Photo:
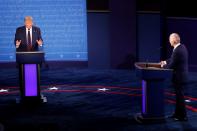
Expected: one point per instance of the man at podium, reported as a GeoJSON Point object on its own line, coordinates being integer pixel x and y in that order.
{"type": "Point", "coordinates": [28, 37]}
{"type": "Point", "coordinates": [28, 41]}
{"type": "Point", "coordinates": [179, 63]}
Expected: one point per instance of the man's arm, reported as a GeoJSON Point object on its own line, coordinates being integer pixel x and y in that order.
{"type": "Point", "coordinates": [39, 34]}
{"type": "Point", "coordinates": [40, 40]}
{"type": "Point", "coordinates": [171, 63]}
{"type": "Point", "coordinates": [17, 39]}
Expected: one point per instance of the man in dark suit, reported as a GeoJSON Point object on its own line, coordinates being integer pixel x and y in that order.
{"type": "Point", "coordinates": [28, 37]}
{"type": "Point", "coordinates": [179, 63]}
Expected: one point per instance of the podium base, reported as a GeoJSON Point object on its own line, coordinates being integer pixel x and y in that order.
{"type": "Point", "coordinates": [31, 100]}
{"type": "Point", "coordinates": [148, 120]}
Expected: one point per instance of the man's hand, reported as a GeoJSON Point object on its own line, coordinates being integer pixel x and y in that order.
{"type": "Point", "coordinates": [162, 63]}
{"type": "Point", "coordinates": [39, 42]}
{"type": "Point", "coordinates": [18, 42]}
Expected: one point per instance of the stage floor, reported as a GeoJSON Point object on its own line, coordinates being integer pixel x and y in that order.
{"type": "Point", "coordinates": [87, 100]}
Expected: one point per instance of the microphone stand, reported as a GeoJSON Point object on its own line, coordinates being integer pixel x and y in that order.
{"type": "Point", "coordinates": [146, 63]}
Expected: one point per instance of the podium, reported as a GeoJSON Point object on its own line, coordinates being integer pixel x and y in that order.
{"type": "Point", "coordinates": [153, 84]}
{"type": "Point", "coordinates": [29, 76]}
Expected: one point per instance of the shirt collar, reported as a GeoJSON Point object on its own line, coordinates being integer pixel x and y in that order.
{"type": "Point", "coordinates": [176, 45]}
{"type": "Point", "coordinates": [27, 29]}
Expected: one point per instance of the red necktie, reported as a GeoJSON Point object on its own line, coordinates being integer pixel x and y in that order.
{"type": "Point", "coordinates": [29, 45]}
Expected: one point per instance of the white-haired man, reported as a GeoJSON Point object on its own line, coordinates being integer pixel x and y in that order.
{"type": "Point", "coordinates": [179, 63]}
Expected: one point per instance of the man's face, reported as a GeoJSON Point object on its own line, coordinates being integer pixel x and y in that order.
{"type": "Point", "coordinates": [172, 40]}
{"type": "Point", "coordinates": [28, 23]}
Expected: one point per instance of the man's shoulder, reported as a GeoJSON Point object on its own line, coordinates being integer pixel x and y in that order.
{"type": "Point", "coordinates": [21, 28]}
{"type": "Point", "coordinates": [181, 47]}
{"type": "Point", "coordinates": [36, 27]}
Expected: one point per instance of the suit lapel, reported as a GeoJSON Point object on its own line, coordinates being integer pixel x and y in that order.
{"type": "Point", "coordinates": [24, 34]}
{"type": "Point", "coordinates": [33, 36]}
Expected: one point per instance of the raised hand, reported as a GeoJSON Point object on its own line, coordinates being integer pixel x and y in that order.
{"type": "Point", "coordinates": [39, 42]}
{"type": "Point", "coordinates": [18, 42]}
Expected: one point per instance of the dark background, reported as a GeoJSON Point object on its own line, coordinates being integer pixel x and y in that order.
{"type": "Point", "coordinates": [143, 26]}
{"type": "Point", "coordinates": [180, 8]}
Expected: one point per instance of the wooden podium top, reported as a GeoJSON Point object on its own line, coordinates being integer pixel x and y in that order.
{"type": "Point", "coordinates": [149, 66]}
{"type": "Point", "coordinates": [152, 71]}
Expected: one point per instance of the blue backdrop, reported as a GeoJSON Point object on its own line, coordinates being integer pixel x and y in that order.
{"type": "Point", "coordinates": [62, 22]}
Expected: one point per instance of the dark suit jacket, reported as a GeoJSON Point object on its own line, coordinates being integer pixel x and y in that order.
{"type": "Point", "coordinates": [179, 63]}
{"type": "Point", "coordinates": [21, 35]}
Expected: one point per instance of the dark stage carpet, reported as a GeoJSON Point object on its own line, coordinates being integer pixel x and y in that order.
{"type": "Point", "coordinates": [87, 100]}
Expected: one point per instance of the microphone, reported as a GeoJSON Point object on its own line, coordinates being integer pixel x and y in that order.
{"type": "Point", "coordinates": [152, 52]}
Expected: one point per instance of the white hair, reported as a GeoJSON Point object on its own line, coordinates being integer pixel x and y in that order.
{"type": "Point", "coordinates": [176, 36]}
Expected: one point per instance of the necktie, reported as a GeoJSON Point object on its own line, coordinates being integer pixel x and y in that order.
{"type": "Point", "coordinates": [29, 45]}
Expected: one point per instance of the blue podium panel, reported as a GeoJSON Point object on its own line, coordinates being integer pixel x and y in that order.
{"type": "Point", "coordinates": [153, 99]}
{"type": "Point", "coordinates": [153, 84]}
{"type": "Point", "coordinates": [29, 76]}
{"type": "Point", "coordinates": [31, 80]}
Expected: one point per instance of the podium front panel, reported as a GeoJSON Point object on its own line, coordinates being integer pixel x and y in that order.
{"type": "Point", "coordinates": [153, 85]}
{"type": "Point", "coordinates": [31, 82]}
